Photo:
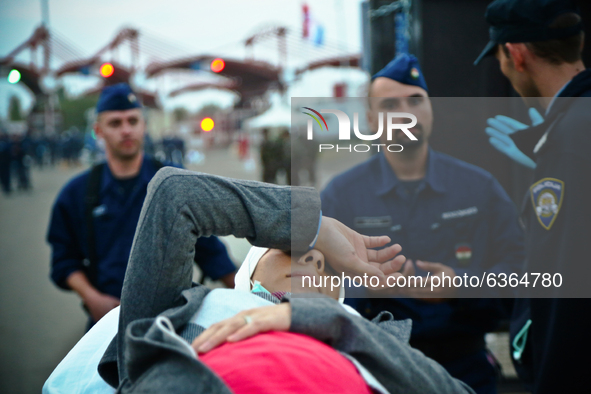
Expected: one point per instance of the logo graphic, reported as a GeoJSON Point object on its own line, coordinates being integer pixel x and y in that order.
{"type": "Point", "coordinates": [345, 124]}
{"type": "Point", "coordinates": [546, 196]}
{"type": "Point", "coordinates": [315, 118]}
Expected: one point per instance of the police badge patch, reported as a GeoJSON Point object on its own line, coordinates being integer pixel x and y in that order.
{"type": "Point", "coordinates": [546, 196]}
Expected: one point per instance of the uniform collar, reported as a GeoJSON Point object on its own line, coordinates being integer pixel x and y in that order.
{"type": "Point", "coordinates": [576, 87]}
{"type": "Point", "coordinates": [554, 98]}
{"type": "Point", "coordinates": [108, 179]}
{"type": "Point", "coordinates": [527, 139]}
{"type": "Point", "coordinates": [390, 181]}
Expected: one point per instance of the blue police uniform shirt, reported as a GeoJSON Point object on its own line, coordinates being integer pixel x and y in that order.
{"type": "Point", "coordinates": [115, 220]}
{"type": "Point", "coordinates": [459, 216]}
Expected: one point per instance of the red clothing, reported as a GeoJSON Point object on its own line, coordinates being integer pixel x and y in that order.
{"type": "Point", "coordinates": [283, 362]}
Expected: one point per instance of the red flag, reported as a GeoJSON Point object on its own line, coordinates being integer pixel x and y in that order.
{"type": "Point", "coordinates": [306, 25]}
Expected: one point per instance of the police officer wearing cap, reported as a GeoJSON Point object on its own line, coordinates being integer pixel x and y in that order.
{"type": "Point", "coordinates": [91, 243]}
{"type": "Point", "coordinates": [538, 45]}
{"type": "Point", "coordinates": [449, 217]}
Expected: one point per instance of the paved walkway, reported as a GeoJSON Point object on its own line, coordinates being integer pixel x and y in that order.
{"type": "Point", "coordinates": [38, 323]}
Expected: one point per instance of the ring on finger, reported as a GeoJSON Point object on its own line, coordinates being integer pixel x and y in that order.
{"type": "Point", "coordinates": [247, 319]}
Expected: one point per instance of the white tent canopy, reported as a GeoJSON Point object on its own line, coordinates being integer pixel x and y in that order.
{"type": "Point", "coordinates": [279, 115]}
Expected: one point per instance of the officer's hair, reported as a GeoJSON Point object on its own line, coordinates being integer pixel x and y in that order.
{"type": "Point", "coordinates": [144, 116]}
{"type": "Point", "coordinates": [561, 50]}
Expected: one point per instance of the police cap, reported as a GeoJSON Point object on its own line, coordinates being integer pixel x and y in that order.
{"type": "Point", "coordinates": [526, 21]}
{"type": "Point", "coordinates": [117, 97]}
{"type": "Point", "coordinates": [404, 69]}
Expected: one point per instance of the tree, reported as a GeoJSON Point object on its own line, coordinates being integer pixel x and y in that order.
{"type": "Point", "coordinates": [180, 114]}
{"type": "Point", "coordinates": [209, 109]}
{"type": "Point", "coordinates": [74, 110]}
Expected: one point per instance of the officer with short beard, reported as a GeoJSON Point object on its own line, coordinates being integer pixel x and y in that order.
{"type": "Point", "coordinates": [450, 218]}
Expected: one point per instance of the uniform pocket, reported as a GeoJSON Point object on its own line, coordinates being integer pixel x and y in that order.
{"type": "Point", "coordinates": [457, 237]}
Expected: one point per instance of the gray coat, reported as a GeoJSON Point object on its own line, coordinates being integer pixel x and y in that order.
{"type": "Point", "coordinates": [182, 206]}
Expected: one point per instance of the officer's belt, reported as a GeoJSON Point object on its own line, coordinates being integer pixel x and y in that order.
{"type": "Point", "coordinates": [444, 350]}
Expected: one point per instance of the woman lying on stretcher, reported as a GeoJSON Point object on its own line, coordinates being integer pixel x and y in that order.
{"type": "Point", "coordinates": [178, 337]}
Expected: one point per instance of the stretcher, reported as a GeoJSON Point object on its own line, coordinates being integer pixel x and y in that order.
{"type": "Point", "coordinates": [77, 372]}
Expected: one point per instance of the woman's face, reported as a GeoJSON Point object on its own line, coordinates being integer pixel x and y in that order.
{"type": "Point", "coordinates": [279, 271]}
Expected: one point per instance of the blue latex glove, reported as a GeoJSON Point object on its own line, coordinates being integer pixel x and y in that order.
{"type": "Point", "coordinates": [501, 127]}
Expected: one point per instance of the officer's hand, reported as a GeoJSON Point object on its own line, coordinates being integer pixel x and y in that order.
{"type": "Point", "coordinates": [501, 127]}
{"type": "Point", "coordinates": [244, 325]}
{"type": "Point", "coordinates": [100, 304]}
{"type": "Point", "coordinates": [429, 290]}
{"type": "Point", "coordinates": [353, 253]}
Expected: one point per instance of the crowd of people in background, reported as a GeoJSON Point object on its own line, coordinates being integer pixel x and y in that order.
{"type": "Point", "coordinates": [291, 155]}
{"type": "Point", "coordinates": [20, 152]}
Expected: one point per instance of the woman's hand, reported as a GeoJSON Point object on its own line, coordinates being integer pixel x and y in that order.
{"type": "Point", "coordinates": [353, 253]}
{"type": "Point", "coordinates": [244, 325]}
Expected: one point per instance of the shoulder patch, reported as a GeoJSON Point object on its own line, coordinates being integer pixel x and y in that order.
{"type": "Point", "coordinates": [546, 196]}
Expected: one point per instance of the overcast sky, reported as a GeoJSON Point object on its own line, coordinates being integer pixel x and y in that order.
{"type": "Point", "coordinates": [191, 26]}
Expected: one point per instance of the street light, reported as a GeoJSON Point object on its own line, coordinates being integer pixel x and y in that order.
{"type": "Point", "coordinates": [207, 124]}
{"type": "Point", "coordinates": [217, 65]}
{"type": "Point", "coordinates": [14, 76]}
{"type": "Point", "coordinates": [107, 70]}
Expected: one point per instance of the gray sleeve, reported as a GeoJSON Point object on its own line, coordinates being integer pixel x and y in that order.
{"type": "Point", "coordinates": [397, 366]}
{"type": "Point", "coordinates": [180, 207]}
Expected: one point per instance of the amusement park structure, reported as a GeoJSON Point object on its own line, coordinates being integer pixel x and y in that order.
{"type": "Point", "coordinates": [130, 52]}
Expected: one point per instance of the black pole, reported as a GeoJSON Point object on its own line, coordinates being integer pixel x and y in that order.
{"type": "Point", "coordinates": [382, 33]}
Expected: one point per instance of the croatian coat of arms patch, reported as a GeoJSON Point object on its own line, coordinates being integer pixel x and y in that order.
{"type": "Point", "coordinates": [546, 196]}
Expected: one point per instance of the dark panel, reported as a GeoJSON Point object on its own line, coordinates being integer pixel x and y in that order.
{"type": "Point", "coordinates": [382, 33]}
{"type": "Point", "coordinates": [454, 34]}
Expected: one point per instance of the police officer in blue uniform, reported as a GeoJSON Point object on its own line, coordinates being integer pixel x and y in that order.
{"type": "Point", "coordinates": [538, 45]}
{"type": "Point", "coordinates": [91, 244]}
{"type": "Point", "coordinates": [5, 161]}
{"type": "Point", "coordinates": [449, 217]}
